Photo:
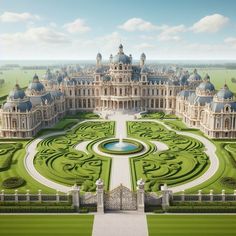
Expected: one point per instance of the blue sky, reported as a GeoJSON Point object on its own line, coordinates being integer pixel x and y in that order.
{"type": "Point", "coordinates": [76, 29]}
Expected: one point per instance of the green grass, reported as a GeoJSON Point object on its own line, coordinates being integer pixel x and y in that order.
{"type": "Point", "coordinates": [17, 169]}
{"type": "Point", "coordinates": [12, 225]}
{"type": "Point", "coordinates": [191, 225]}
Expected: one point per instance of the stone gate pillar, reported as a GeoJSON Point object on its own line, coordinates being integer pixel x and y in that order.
{"type": "Point", "coordinates": [75, 190]}
{"type": "Point", "coordinates": [166, 196]}
{"type": "Point", "coordinates": [100, 196]}
{"type": "Point", "coordinates": [140, 195]}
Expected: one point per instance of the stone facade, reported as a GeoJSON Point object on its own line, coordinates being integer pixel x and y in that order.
{"type": "Point", "coordinates": [119, 85]}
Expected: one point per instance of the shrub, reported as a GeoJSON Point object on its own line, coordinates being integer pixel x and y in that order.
{"type": "Point", "coordinates": [13, 182]}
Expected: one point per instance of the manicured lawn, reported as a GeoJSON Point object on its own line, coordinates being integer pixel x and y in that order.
{"type": "Point", "coordinates": [191, 225]}
{"type": "Point", "coordinates": [12, 225]}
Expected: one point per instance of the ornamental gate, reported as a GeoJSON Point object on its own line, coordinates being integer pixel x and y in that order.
{"type": "Point", "coordinates": [120, 198]}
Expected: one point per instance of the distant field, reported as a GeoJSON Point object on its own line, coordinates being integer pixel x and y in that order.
{"type": "Point", "coordinates": [23, 77]}
{"type": "Point", "coordinates": [46, 225]}
{"type": "Point", "coordinates": [218, 77]}
{"type": "Point", "coordinates": [191, 225]}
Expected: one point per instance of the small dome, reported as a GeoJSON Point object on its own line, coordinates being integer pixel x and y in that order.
{"type": "Point", "coordinates": [183, 79]}
{"type": "Point", "coordinates": [143, 56]}
{"type": "Point", "coordinates": [17, 93]}
{"type": "Point", "coordinates": [59, 78]}
{"type": "Point", "coordinates": [22, 106]}
{"type": "Point", "coordinates": [206, 85]}
{"type": "Point", "coordinates": [225, 93]}
{"type": "Point", "coordinates": [48, 75]}
{"type": "Point", "coordinates": [195, 76]}
{"type": "Point", "coordinates": [99, 56]}
{"type": "Point", "coordinates": [36, 85]}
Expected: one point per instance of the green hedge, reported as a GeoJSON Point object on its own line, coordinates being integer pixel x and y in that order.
{"type": "Point", "coordinates": [36, 209]}
{"type": "Point", "coordinates": [201, 209]}
{"type": "Point", "coordinates": [196, 204]}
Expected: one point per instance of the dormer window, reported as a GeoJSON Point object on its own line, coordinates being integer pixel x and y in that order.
{"type": "Point", "coordinates": [227, 108]}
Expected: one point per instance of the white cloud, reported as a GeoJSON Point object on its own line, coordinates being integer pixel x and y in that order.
{"type": "Point", "coordinates": [138, 24]}
{"type": "Point", "coordinates": [17, 17]}
{"type": "Point", "coordinates": [231, 41]}
{"type": "Point", "coordinates": [77, 25]}
{"type": "Point", "coordinates": [35, 35]}
{"type": "Point", "coordinates": [171, 33]}
{"type": "Point", "coordinates": [211, 23]}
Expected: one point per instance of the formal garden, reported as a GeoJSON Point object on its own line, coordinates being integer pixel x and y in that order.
{"type": "Point", "coordinates": [182, 162]}
{"type": "Point", "coordinates": [58, 160]}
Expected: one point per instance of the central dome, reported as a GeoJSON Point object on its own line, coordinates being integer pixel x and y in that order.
{"type": "Point", "coordinates": [120, 57]}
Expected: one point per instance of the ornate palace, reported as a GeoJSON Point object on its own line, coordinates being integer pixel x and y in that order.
{"type": "Point", "coordinates": [119, 85]}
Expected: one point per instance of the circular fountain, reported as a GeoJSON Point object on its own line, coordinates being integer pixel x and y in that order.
{"type": "Point", "coordinates": [120, 146]}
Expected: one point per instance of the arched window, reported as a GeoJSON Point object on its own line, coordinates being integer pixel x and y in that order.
{"type": "Point", "coordinates": [227, 123]}
{"type": "Point", "coordinates": [135, 92]}
{"type": "Point", "coordinates": [120, 91]}
{"type": "Point", "coordinates": [120, 67]}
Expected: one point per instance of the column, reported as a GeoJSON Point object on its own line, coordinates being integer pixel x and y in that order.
{"type": "Point", "coordinates": [57, 197]}
{"type": "Point", "coordinates": [2, 195]}
{"type": "Point", "coordinates": [140, 196]}
{"type": "Point", "coordinates": [75, 190]}
{"type": "Point", "coordinates": [100, 196]}
{"type": "Point", "coordinates": [211, 195]}
{"type": "Point", "coordinates": [223, 195]}
{"type": "Point", "coordinates": [27, 195]}
{"type": "Point", "coordinates": [183, 196]}
{"type": "Point", "coordinates": [199, 195]}
{"type": "Point", "coordinates": [40, 195]}
{"type": "Point", "coordinates": [166, 196]}
{"type": "Point", "coordinates": [16, 195]}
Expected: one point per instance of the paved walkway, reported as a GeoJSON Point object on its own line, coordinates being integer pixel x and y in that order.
{"type": "Point", "coordinates": [120, 224]}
